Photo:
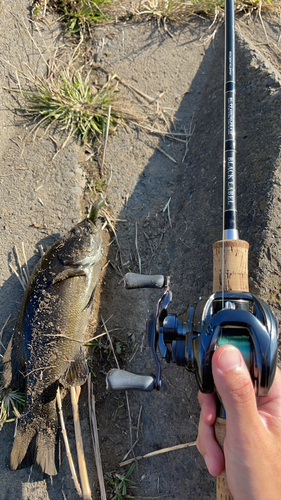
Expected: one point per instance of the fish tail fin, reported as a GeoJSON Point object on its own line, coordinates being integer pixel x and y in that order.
{"type": "Point", "coordinates": [36, 442]}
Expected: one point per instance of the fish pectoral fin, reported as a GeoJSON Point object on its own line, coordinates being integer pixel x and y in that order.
{"type": "Point", "coordinates": [91, 299]}
{"type": "Point", "coordinates": [77, 372]}
{"type": "Point", "coordinates": [71, 272]}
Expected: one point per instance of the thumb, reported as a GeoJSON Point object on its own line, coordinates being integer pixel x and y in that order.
{"type": "Point", "coordinates": [235, 387]}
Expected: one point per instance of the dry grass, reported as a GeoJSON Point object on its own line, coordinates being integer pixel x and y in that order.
{"type": "Point", "coordinates": [177, 10]}
{"type": "Point", "coordinates": [80, 16]}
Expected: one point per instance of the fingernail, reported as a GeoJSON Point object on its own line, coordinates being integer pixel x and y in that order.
{"type": "Point", "coordinates": [229, 358]}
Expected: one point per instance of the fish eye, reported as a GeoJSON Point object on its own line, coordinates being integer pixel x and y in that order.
{"type": "Point", "coordinates": [76, 231]}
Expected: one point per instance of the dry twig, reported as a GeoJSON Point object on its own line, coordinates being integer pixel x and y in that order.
{"type": "Point", "coordinates": [108, 218]}
{"type": "Point", "coordinates": [126, 84]}
{"type": "Point", "coordinates": [137, 436]}
{"type": "Point", "coordinates": [117, 270]}
{"type": "Point", "coordinates": [132, 357]}
{"type": "Point", "coordinates": [110, 342]}
{"type": "Point", "coordinates": [17, 275]}
{"type": "Point", "coordinates": [126, 392]}
{"type": "Point", "coordinates": [188, 136]}
{"type": "Point", "coordinates": [167, 207]}
{"type": "Point", "coordinates": [23, 273]}
{"type": "Point", "coordinates": [158, 452]}
{"type": "Point", "coordinates": [2, 330]}
{"type": "Point", "coordinates": [166, 154]}
{"type": "Point", "coordinates": [68, 452]}
{"type": "Point", "coordinates": [137, 249]}
{"type": "Point", "coordinates": [106, 139]}
{"type": "Point", "coordinates": [86, 491]}
{"type": "Point", "coordinates": [95, 437]}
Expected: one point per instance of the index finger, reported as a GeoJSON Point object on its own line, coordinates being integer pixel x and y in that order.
{"type": "Point", "coordinates": [208, 405]}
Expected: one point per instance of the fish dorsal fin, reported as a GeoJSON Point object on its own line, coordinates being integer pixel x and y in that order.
{"type": "Point", "coordinates": [77, 372]}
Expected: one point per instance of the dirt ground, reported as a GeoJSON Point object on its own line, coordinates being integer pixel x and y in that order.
{"type": "Point", "coordinates": [183, 72]}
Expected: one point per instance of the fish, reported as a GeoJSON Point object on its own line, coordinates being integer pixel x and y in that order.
{"type": "Point", "coordinates": [46, 348]}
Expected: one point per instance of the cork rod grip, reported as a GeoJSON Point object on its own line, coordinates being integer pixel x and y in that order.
{"type": "Point", "coordinates": [223, 492]}
{"type": "Point", "coordinates": [235, 272]}
{"type": "Point", "coordinates": [235, 266]}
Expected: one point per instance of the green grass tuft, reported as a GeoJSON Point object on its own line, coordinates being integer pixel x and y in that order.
{"type": "Point", "coordinates": [119, 483]}
{"type": "Point", "coordinates": [10, 401]}
{"type": "Point", "coordinates": [75, 104]}
{"type": "Point", "coordinates": [80, 14]}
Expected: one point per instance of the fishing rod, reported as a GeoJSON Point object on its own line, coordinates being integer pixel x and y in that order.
{"type": "Point", "coordinates": [231, 314]}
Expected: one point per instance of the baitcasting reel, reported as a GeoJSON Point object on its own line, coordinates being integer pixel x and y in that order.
{"type": "Point", "coordinates": [190, 339]}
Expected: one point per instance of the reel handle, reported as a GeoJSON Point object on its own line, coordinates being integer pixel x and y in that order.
{"type": "Point", "coordinates": [133, 280]}
{"type": "Point", "coordinates": [235, 278]}
{"type": "Point", "coordinates": [121, 380]}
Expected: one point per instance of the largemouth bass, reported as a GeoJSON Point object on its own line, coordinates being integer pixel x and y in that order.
{"type": "Point", "coordinates": [46, 348]}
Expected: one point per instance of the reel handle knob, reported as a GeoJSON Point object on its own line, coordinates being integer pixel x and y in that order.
{"type": "Point", "coordinates": [121, 380]}
{"type": "Point", "coordinates": [133, 280]}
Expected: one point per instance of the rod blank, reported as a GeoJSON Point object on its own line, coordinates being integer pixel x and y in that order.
{"type": "Point", "coordinates": [230, 209]}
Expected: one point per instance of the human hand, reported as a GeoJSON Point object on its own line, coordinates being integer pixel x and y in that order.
{"type": "Point", "coordinates": [252, 446]}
